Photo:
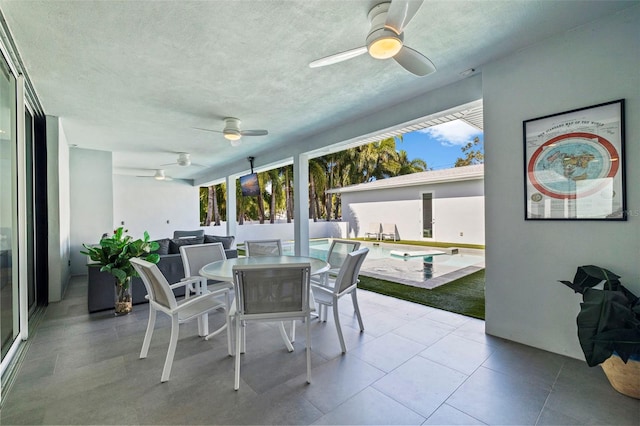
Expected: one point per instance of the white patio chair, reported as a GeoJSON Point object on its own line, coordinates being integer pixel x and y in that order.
{"type": "Point", "coordinates": [373, 230]}
{"type": "Point", "coordinates": [255, 248]}
{"type": "Point", "coordinates": [263, 248]}
{"type": "Point", "coordinates": [272, 292]}
{"type": "Point", "coordinates": [335, 257]}
{"type": "Point", "coordinates": [194, 257]}
{"type": "Point", "coordinates": [345, 283]}
{"type": "Point", "coordinates": [161, 298]}
{"type": "Point", "coordinates": [388, 231]}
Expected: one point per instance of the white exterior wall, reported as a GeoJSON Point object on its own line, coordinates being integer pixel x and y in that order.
{"type": "Point", "coordinates": [158, 207]}
{"type": "Point", "coordinates": [458, 207]}
{"type": "Point", "coordinates": [283, 231]}
{"type": "Point", "coordinates": [91, 201]}
{"type": "Point", "coordinates": [597, 63]}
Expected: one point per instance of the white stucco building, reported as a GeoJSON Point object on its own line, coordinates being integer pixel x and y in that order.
{"type": "Point", "coordinates": [441, 205]}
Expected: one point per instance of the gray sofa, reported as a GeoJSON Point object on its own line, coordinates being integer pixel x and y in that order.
{"type": "Point", "coordinates": [100, 293]}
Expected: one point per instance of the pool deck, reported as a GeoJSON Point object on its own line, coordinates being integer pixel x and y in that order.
{"type": "Point", "coordinates": [416, 273]}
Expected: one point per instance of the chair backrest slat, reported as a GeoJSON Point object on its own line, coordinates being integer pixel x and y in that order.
{"type": "Point", "coordinates": [339, 250]}
{"type": "Point", "coordinates": [255, 248]}
{"type": "Point", "coordinates": [350, 269]}
{"type": "Point", "coordinates": [272, 289]}
{"type": "Point", "coordinates": [157, 286]}
{"type": "Point", "coordinates": [194, 257]}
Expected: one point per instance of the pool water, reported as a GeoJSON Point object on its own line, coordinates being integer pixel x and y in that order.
{"type": "Point", "coordinates": [418, 270]}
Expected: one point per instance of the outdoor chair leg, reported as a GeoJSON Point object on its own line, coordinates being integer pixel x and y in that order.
{"type": "Point", "coordinates": [149, 333]}
{"type": "Point", "coordinates": [236, 383]}
{"type": "Point", "coordinates": [336, 317]}
{"type": "Point", "coordinates": [285, 338]}
{"type": "Point", "coordinates": [308, 342]}
{"type": "Point", "coordinates": [354, 299]}
{"type": "Point", "coordinates": [173, 342]}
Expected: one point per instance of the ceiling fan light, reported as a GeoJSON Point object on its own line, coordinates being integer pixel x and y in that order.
{"type": "Point", "coordinates": [385, 47]}
{"type": "Point", "coordinates": [232, 135]}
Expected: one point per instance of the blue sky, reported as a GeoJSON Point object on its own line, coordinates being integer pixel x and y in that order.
{"type": "Point", "coordinates": [439, 145]}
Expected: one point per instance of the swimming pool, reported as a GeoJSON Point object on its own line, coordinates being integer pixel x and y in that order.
{"type": "Point", "coordinates": [415, 270]}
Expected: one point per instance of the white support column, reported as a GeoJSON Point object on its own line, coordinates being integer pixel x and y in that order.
{"type": "Point", "coordinates": [301, 204]}
{"type": "Point", "coordinates": [232, 223]}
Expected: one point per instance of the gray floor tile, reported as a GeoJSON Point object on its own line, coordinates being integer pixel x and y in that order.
{"type": "Point", "coordinates": [526, 363]}
{"type": "Point", "coordinates": [370, 407]}
{"type": "Point", "coordinates": [447, 415]}
{"type": "Point", "coordinates": [388, 352]}
{"type": "Point", "coordinates": [458, 353]}
{"type": "Point", "coordinates": [338, 380]}
{"type": "Point", "coordinates": [420, 384]}
{"type": "Point", "coordinates": [496, 398]}
{"type": "Point", "coordinates": [84, 368]}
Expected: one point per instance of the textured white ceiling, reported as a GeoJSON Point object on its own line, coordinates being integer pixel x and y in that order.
{"type": "Point", "coordinates": [135, 77]}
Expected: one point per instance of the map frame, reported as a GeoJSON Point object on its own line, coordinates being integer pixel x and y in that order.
{"type": "Point", "coordinates": [574, 164]}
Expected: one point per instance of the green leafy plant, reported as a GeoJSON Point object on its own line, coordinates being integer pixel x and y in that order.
{"type": "Point", "coordinates": [114, 252]}
{"type": "Point", "coordinates": [609, 318]}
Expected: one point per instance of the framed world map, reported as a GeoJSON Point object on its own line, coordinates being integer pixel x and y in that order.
{"type": "Point", "coordinates": [574, 164]}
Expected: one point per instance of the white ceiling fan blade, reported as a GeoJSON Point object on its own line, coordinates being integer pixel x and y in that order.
{"type": "Point", "coordinates": [254, 132]}
{"type": "Point", "coordinates": [338, 57]}
{"type": "Point", "coordinates": [207, 130]}
{"type": "Point", "coordinates": [400, 13]}
{"type": "Point", "coordinates": [414, 62]}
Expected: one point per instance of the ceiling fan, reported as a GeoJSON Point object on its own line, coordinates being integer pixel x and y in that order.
{"type": "Point", "coordinates": [159, 175]}
{"type": "Point", "coordinates": [184, 160]}
{"type": "Point", "coordinates": [232, 131]}
{"type": "Point", "coordinates": [386, 39]}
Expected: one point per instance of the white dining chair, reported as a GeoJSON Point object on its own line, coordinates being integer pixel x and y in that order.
{"type": "Point", "coordinates": [345, 283]}
{"type": "Point", "coordinates": [194, 257]}
{"type": "Point", "coordinates": [263, 248]}
{"type": "Point", "coordinates": [335, 257]}
{"type": "Point", "coordinates": [161, 298]}
{"type": "Point", "coordinates": [254, 248]}
{"type": "Point", "coordinates": [271, 292]}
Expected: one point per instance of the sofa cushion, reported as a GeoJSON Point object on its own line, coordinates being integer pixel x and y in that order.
{"type": "Point", "coordinates": [164, 246]}
{"type": "Point", "coordinates": [188, 234]}
{"type": "Point", "coordinates": [176, 243]}
{"type": "Point", "coordinates": [226, 241]}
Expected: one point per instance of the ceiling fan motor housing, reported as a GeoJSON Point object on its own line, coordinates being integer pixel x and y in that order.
{"type": "Point", "coordinates": [382, 42]}
{"type": "Point", "coordinates": [184, 159]}
{"type": "Point", "coordinates": [232, 128]}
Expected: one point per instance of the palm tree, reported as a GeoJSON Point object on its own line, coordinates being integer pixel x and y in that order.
{"type": "Point", "coordinates": [317, 178]}
{"type": "Point", "coordinates": [410, 166]}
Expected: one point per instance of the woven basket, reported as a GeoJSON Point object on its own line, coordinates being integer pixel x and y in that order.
{"type": "Point", "coordinates": [625, 378]}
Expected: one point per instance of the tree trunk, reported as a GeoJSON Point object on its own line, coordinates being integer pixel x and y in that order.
{"type": "Point", "coordinates": [312, 199]}
{"type": "Point", "coordinates": [272, 205]}
{"type": "Point", "coordinates": [216, 210]}
{"type": "Point", "coordinates": [287, 187]}
{"type": "Point", "coordinates": [260, 207]}
{"type": "Point", "coordinates": [211, 196]}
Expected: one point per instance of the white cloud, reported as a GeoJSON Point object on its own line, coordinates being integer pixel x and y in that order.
{"type": "Point", "coordinates": [452, 133]}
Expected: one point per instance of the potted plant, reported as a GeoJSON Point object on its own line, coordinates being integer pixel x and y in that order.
{"type": "Point", "coordinates": [113, 254]}
{"type": "Point", "coordinates": [609, 326]}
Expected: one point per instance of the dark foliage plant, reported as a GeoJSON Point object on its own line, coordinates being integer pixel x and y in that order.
{"type": "Point", "coordinates": [113, 253]}
{"type": "Point", "coordinates": [609, 317]}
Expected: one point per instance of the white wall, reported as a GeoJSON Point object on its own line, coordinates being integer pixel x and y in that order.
{"type": "Point", "coordinates": [91, 201]}
{"type": "Point", "coordinates": [58, 205]}
{"type": "Point", "coordinates": [458, 207]}
{"type": "Point", "coordinates": [159, 207]}
{"type": "Point", "coordinates": [283, 231]}
{"type": "Point", "coordinates": [597, 63]}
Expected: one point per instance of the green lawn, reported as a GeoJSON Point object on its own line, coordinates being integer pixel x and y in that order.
{"type": "Point", "coordinates": [463, 296]}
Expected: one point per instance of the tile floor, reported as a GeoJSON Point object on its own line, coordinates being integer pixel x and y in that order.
{"type": "Point", "coordinates": [412, 365]}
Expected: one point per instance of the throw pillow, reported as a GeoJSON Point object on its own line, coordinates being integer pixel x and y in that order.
{"type": "Point", "coordinates": [187, 234]}
{"type": "Point", "coordinates": [164, 246]}
{"type": "Point", "coordinates": [226, 241]}
{"type": "Point", "coordinates": [176, 243]}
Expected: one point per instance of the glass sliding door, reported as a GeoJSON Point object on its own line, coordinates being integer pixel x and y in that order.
{"type": "Point", "coordinates": [30, 208]}
{"type": "Point", "coordinates": [9, 300]}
